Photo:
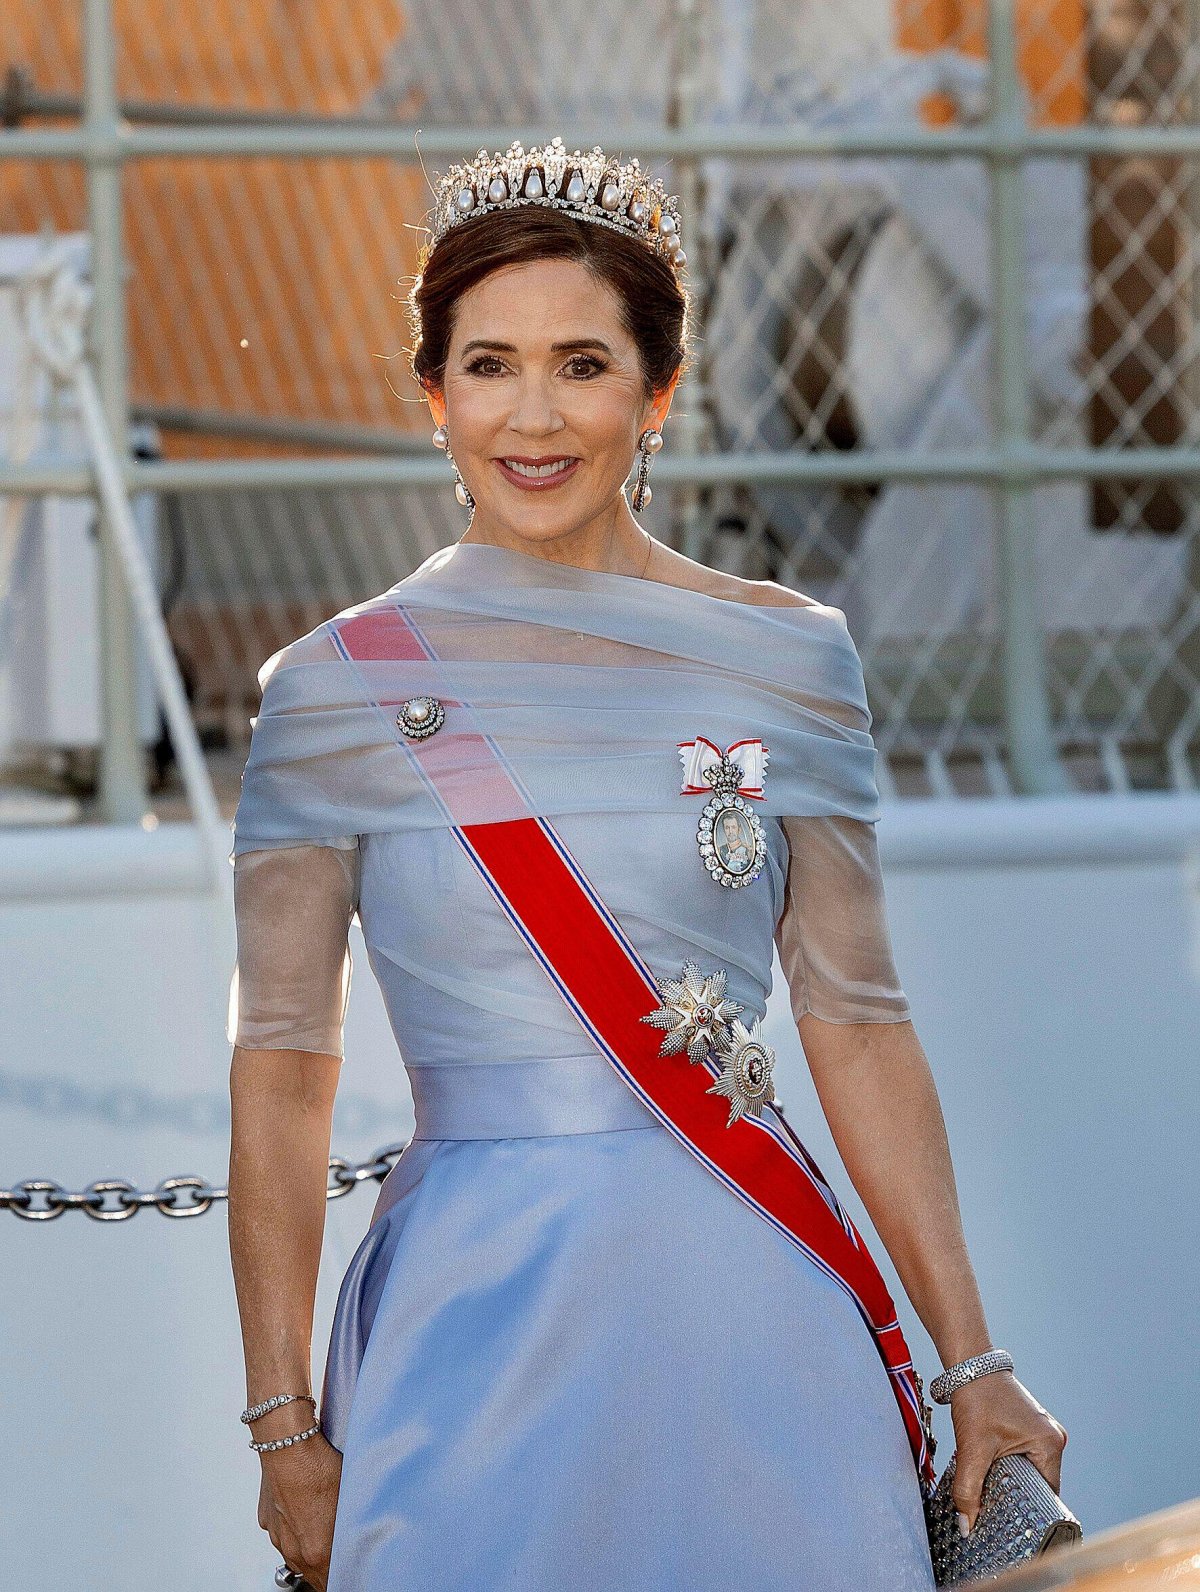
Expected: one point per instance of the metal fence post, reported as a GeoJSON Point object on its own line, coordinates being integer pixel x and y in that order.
{"type": "Point", "coordinates": [1009, 461]}
{"type": "Point", "coordinates": [690, 397]}
{"type": "Point", "coordinates": [1036, 769]}
{"type": "Point", "coordinates": [122, 777]}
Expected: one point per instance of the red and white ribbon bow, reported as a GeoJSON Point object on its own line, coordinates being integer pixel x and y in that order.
{"type": "Point", "coordinates": [750, 756]}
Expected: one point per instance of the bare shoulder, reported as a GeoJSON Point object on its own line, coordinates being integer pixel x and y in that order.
{"type": "Point", "coordinates": [676, 569]}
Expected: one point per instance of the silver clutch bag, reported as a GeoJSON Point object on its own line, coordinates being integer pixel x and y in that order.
{"type": "Point", "coordinates": [1020, 1515]}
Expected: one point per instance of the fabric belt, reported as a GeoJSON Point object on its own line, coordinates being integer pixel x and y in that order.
{"type": "Point", "coordinates": [524, 1099]}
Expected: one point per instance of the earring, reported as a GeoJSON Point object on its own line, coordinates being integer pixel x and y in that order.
{"type": "Point", "coordinates": [649, 443]}
{"type": "Point", "coordinates": [441, 439]}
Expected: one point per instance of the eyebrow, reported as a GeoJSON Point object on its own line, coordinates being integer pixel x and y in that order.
{"type": "Point", "coordinates": [555, 348]}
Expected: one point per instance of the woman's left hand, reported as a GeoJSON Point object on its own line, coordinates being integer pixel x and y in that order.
{"type": "Point", "coordinates": [995, 1415]}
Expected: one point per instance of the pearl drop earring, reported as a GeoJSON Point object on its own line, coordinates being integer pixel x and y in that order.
{"type": "Point", "coordinates": [441, 439]}
{"type": "Point", "coordinates": [649, 443]}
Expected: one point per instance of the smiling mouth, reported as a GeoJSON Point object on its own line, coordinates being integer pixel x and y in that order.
{"type": "Point", "coordinates": [540, 467]}
{"type": "Point", "coordinates": [539, 475]}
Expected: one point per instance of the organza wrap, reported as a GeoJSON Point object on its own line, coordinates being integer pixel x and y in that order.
{"type": "Point", "coordinates": [584, 684]}
{"type": "Point", "coordinates": [583, 679]}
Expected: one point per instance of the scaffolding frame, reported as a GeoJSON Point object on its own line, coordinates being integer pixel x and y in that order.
{"type": "Point", "coordinates": [1011, 464]}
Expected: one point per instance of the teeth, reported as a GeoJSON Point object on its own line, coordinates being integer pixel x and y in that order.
{"type": "Point", "coordinates": [539, 469]}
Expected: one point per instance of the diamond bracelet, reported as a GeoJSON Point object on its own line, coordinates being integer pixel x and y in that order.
{"type": "Point", "coordinates": [256, 1411]}
{"type": "Point", "coordinates": [286, 1442]}
{"type": "Point", "coordinates": [956, 1376]}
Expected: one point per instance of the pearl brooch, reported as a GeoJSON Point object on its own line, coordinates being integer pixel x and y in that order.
{"type": "Point", "coordinates": [420, 716]}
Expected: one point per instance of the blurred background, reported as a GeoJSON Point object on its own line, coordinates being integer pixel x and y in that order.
{"type": "Point", "coordinates": [947, 279]}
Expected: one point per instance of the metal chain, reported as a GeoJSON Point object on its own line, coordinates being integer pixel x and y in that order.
{"type": "Point", "coordinates": [115, 1199]}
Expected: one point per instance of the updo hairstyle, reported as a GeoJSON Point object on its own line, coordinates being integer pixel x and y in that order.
{"type": "Point", "coordinates": [654, 303]}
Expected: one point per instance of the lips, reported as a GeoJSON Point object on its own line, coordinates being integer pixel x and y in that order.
{"type": "Point", "coordinates": [537, 483]}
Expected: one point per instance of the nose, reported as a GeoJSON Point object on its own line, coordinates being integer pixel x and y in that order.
{"type": "Point", "coordinates": [534, 412]}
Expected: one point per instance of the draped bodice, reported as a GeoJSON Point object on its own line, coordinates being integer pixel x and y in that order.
{"type": "Point", "coordinates": [585, 682]}
{"type": "Point", "coordinates": [461, 985]}
{"type": "Point", "coordinates": [568, 696]}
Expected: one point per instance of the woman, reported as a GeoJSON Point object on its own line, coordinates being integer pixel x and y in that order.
{"type": "Point", "coordinates": [609, 1327]}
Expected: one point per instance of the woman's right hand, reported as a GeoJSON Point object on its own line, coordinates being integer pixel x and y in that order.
{"type": "Point", "coordinates": [297, 1503]}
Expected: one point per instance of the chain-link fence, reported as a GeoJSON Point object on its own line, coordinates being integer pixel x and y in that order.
{"type": "Point", "coordinates": [945, 261]}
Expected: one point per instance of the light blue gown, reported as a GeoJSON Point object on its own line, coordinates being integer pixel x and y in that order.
{"type": "Point", "coordinates": [564, 1355]}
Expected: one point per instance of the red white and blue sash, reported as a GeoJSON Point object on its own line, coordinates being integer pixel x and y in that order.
{"type": "Point", "coordinates": [584, 952]}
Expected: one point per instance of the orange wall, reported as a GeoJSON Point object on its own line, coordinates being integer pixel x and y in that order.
{"type": "Point", "coordinates": [1050, 47]}
{"type": "Point", "coordinates": [302, 259]}
{"type": "Point", "coordinates": [305, 260]}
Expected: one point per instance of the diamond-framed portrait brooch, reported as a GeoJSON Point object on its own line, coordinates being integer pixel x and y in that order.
{"type": "Point", "coordinates": [732, 843]}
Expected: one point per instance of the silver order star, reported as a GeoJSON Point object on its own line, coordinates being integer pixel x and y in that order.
{"type": "Point", "coordinates": [695, 1011]}
{"type": "Point", "coordinates": [747, 1062]}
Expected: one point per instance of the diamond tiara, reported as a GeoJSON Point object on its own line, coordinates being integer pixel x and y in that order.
{"type": "Point", "coordinates": [592, 187]}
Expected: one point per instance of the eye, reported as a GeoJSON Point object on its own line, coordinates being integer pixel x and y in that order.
{"type": "Point", "coordinates": [592, 365]}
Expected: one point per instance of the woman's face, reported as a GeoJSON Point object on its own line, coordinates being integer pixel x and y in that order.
{"type": "Point", "coordinates": [540, 370]}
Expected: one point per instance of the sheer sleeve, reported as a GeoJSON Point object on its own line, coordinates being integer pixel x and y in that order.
{"type": "Point", "coordinates": [833, 938]}
{"type": "Point", "coordinates": [293, 907]}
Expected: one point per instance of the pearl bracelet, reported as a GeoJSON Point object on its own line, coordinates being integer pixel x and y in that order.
{"type": "Point", "coordinates": [956, 1376]}
{"type": "Point", "coordinates": [256, 1411]}
{"type": "Point", "coordinates": [286, 1442]}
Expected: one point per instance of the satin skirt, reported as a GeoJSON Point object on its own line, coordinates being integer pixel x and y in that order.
{"type": "Point", "coordinates": [567, 1357]}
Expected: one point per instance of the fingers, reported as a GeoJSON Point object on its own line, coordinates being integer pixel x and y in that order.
{"type": "Point", "coordinates": [1049, 1459]}
{"type": "Point", "coordinates": [970, 1467]}
{"type": "Point", "coordinates": [303, 1558]}
{"type": "Point", "coordinates": [309, 1577]}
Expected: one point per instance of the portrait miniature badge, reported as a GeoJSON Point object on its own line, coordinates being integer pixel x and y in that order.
{"type": "Point", "coordinates": [733, 846]}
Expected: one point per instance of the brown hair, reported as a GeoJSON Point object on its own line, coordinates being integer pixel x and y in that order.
{"type": "Point", "coordinates": [654, 303]}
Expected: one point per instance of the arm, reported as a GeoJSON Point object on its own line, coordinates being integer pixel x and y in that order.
{"type": "Point", "coordinates": [282, 1106]}
{"type": "Point", "coordinates": [282, 1110]}
{"type": "Point", "coordinates": [879, 1096]}
{"type": "Point", "coordinates": [293, 910]}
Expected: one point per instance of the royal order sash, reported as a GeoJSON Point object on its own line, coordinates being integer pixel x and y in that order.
{"type": "Point", "coordinates": [584, 952]}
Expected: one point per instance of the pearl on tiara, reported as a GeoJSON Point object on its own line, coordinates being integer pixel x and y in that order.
{"type": "Point", "coordinates": [592, 187]}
